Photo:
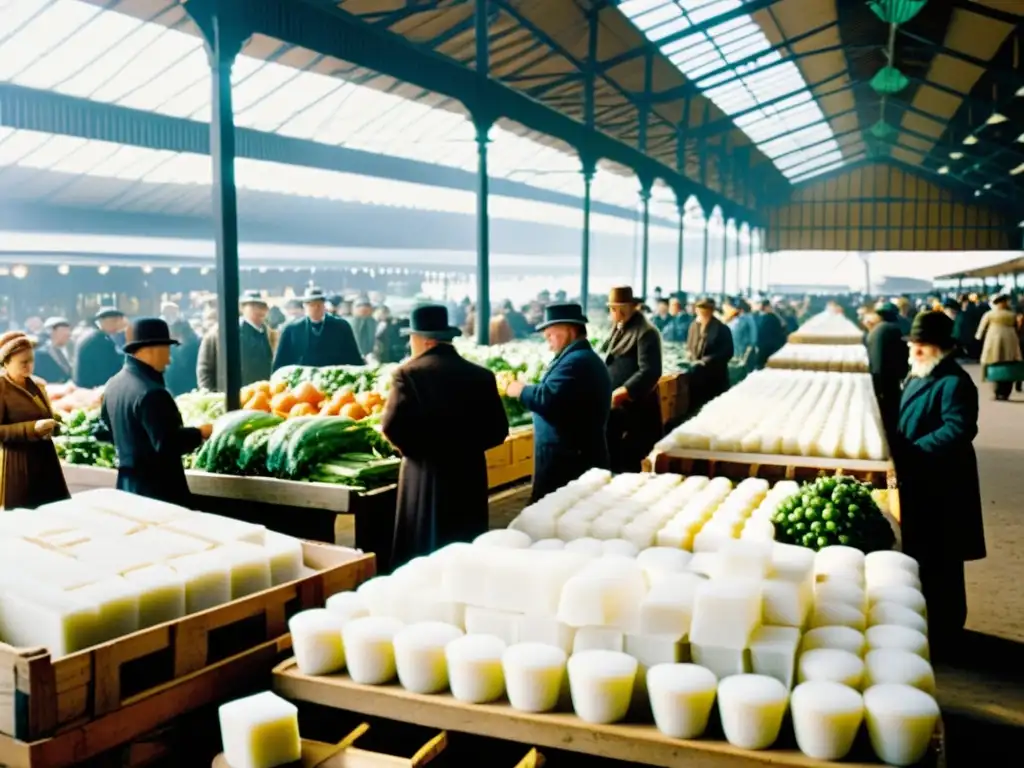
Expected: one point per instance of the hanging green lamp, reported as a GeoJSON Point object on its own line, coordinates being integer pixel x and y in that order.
{"type": "Point", "coordinates": [889, 80]}
{"type": "Point", "coordinates": [882, 130]}
{"type": "Point", "coordinates": [896, 11]}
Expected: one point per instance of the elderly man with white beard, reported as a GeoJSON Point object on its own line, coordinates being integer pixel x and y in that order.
{"type": "Point", "coordinates": [940, 496]}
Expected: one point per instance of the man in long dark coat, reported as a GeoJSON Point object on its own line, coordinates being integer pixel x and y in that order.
{"type": "Point", "coordinates": [940, 494]}
{"type": "Point", "coordinates": [633, 356]}
{"type": "Point", "coordinates": [143, 419]}
{"type": "Point", "coordinates": [771, 332]}
{"type": "Point", "coordinates": [98, 357]}
{"type": "Point", "coordinates": [318, 339]}
{"type": "Point", "coordinates": [570, 405]}
{"type": "Point", "coordinates": [887, 361]}
{"type": "Point", "coordinates": [709, 345]}
{"type": "Point", "coordinates": [255, 346]}
{"type": "Point", "coordinates": [53, 364]}
{"type": "Point", "coordinates": [443, 413]}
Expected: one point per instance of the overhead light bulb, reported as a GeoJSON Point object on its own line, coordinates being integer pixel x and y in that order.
{"type": "Point", "coordinates": [977, 193]}
{"type": "Point", "coordinates": [147, 270]}
{"type": "Point", "coordinates": [262, 270]}
{"type": "Point", "coordinates": [956, 155]}
{"type": "Point", "coordinates": [103, 269]}
{"type": "Point", "coordinates": [63, 269]}
{"type": "Point", "coordinates": [204, 271]}
{"type": "Point", "coordinates": [4, 271]}
{"type": "Point", "coordinates": [988, 185]}
{"type": "Point", "coordinates": [175, 270]}
{"type": "Point", "coordinates": [970, 140]}
{"type": "Point", "coordinates": [944, 170]}
{"type": "Point", "coordinates": [1018, 170]}
{"type": "Point", "coordinates": [19, 271]}
{"type": "Point", "coordinates": [1020, 91]}
{"type": "Point", "coordinates": [996, 118]}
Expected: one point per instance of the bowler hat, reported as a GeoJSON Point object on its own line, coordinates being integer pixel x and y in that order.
{"type": "Point", "coordinates": [252, 297]}
{"type": "Point", "coordinates": [705, 302]}
{"type": "Point", "coordinates": [313, 294]}
{"type": "Point", "coordinates": [106, 312]}
{"type": "Point", "coordinates": [934, 328]}
{"type": "Point", "coordinates": [565, 312]}
{"type": "Point", "coordinates": [431, 320]}
{"type": "Point", "coordinates": [623, 294]}
{"type": "Point", "coordinates": [335, 300]}
{"type": "Point", "coordinates": [147, 332]}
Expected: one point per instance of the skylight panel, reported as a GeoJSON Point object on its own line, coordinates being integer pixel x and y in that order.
{"type": "Point", "coordinates": [42, 34]}
{"type": "Point", "coordinates": [766, 104]}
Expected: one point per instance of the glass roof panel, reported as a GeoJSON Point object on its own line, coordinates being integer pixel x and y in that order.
{"type": "Point", "coordinates": [757, 103]}
{"type": "Point", "coordinates": [81, 49]}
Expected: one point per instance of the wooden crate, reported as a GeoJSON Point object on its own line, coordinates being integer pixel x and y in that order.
{"type": "Point", "coordinates": [634, 743]}
{"type": "Point", "coordinates": [512, 461]}
{"type": "Point", "coordinates": [41, 696]}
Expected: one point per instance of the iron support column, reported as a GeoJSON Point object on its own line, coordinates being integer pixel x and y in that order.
{"type": "Point", "coordinates": [750, 263]}
{"type": "Point", "coordinates": [645, 252]}
{"type": "Point", "coordinates": [704, 267]}
{"type": "Point", "coordinates": [224, 37]}
{"type": "Point", "coordinates": [483, 224]}
{"type": "Point", "coordinates": [588, 178]}
{"type": "Point", "coordinates": [739, 262]}
{"type": "Point", "coordinates": [679, 253]}
{"type": "Point", "coordinates": [725, 258]}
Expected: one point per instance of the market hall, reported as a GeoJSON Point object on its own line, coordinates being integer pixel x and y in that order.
{"type": "Point", "coordinates": [535, 189]}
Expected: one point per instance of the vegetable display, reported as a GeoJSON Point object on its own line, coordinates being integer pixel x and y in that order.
{"type": "Point", "coordinates": [830, 511]}
{"type": "Point", "coordinates": [78, 443]}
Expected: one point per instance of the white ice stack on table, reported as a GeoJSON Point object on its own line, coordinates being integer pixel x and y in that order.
{"type": "Point", "coordinates": [827, 328]}
{"type": "Point", "coordinates": [836, 358]}
{"type": "Point", "coordinates": [106, 563]}
{"type": "Point", "coordinates": [260, 731]}
{"type": "Point", "coordinates": [796, 413]}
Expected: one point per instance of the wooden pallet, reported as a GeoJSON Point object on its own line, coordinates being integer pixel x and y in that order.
{"type": "Point", "coordinates": [634, 743]}
{"type": "Point", "coordinates": [41, 696]}
{"type": "Point", "coordinates": [674, 392]}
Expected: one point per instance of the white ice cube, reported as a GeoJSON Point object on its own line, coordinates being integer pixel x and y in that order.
{"type": "Point", "coordinates": [773, 652]}
{"type": "Point", "coordinates": [260, 731]}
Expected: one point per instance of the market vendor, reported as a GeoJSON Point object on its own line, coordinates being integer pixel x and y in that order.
{"type": "Point", "coordinates": [318, 339]}
{"type": "Point", "coordinates": [633, 357]}
{"type": "Point", "coordinates": [98, 357]}
{"type": "Point", "coordinates": [887, 362]}
{"type": "Point", "coordinates": [443, 413]}
{"type": "Point", "coordinates": [143, 419]}
{"type": "Point", "coordinates": [570, 405]}
{"type": "Point", "coordinates": [709, 345]}
{"type": "Point", "coordinates": [940, 495]}
{"type": "Point", "coordinates": [256, 345]}
{"type": "Point", "coordinates": [53, 364]}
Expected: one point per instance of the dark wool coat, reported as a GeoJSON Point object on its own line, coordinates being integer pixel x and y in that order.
{"type": "Point", "coordinates": [145, 427]}
{"type": "Point", "coordinates": [713, 351]}
{"type": "Point", "coordinates": [30, 473]}
{"type": "Point", "coordinates": [570, 406]}
{"type": "Point", "coordinates": [443, 413]}
{"type": "Point", "coordinates": [633, 356]}
{"type": "Point", "coordinates": [940, 494]}
{"type": "Point", "coordinates": [888, 363]}
{"type": "Point", "coordinates": [771, 335]}
{"type": "Point", "coordinates": [256, 351]}
{"type": "Point", "coordinates": [97, 359]}
{"type": "Point", "coordinates": [301, 344]}
{"type": "Point", "coordinates": [53, 365]}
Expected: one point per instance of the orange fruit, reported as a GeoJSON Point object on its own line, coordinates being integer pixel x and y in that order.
{"type": "Point", "coordinates": [353, 411]}
{"type": "Point", "coordinates": [283, 401]}
{"type": "Point", "coordinates": [306, 392]}
{"type": "Point", "coordinates": [258, 402]}
{"type": "Point", "coordinates": [278, 387]}
{"type": "Point", "coordinates": [301, 409]}
{"type": "Point", "coordinates": [344, 396]}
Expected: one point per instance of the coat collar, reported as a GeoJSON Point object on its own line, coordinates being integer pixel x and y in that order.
{"type": "Point", "coordinates": [146, 371]}
{"type": "Point", "coordinates": [915, 387]}
{"type": "Point", "coordinates": [24, 392]}
{"type": "Point", "coordinates": [621, 337]}
{"type": "Point", "coordinates": [579, 344]}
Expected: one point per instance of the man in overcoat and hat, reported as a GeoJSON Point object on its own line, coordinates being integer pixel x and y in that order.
{"type": "Point", "coordinates": [98, 357]}
{"type": "Point", "coordinates": [709, 344]}
{"type": "Point", "coordinates": [256, 346]}
{"type": "Point", "coordinates": [318, 339]}
{"type": "Point", "coordinates": [53, 364]}
{"type": "Point", "coordinates": [887, 361]}
{"type": "Point", "coordinates": [570, 405]}
{"type": "Point", "coordinates": [633, 357]}
{"type": "Point", "coordinates": [144, 421]}
{"type": "Point", "coordinates": [443, 413]}
{"type": "Point", "coordinates": [940, 494]}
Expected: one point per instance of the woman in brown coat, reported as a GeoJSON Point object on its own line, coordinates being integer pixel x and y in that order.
{"type": "Point", "coordinates": [30, 473]}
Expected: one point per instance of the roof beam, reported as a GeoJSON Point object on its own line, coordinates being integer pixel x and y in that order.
{"type": "Point", "coordinates": [747, 9]}
{"type": "Point", "coordinates": [1007, 75]}
{"type": "Point", "coordinates": [988, 12]}
{"type": "Point", "coordinates": [50, 112]}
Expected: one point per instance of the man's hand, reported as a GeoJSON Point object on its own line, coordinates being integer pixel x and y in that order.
{"type": "Point", "coordinates": [514, 388]}
{"type": "Point", "coordinates": [45, 427]}
{"type": "Point", "coordinates": [206, 430]}
{"type": "Point", "coordinates": [620, 397]}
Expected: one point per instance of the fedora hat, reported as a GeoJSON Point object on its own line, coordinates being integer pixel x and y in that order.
{"type": "Point", "coordinates": [147, 332]}
{"type": "Point", "coordinates": [313, 294]}
{"type": "Point", "coordinates": [56, 322]}
{"type": "Point", "coordinates": [251, 297]}
{"type": "Point", "coordinates": [705, 302]}
{"type": "Point", "coordinates": [563, 313]}
{"type": "Point", "coordinates": [623, 294]}
{"type": "Point", "coordinates": [106, 312]}
{"type": "Point", "coordinates": [934, 328]}
{"type": "Point", "coordinates": [431, 321]}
